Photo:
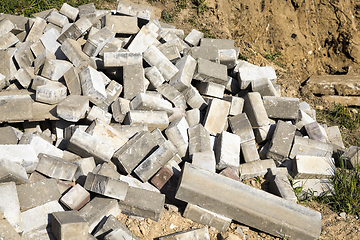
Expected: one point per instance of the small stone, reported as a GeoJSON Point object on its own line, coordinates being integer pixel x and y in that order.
{"type": "Point", "coordinates": [342, 215]}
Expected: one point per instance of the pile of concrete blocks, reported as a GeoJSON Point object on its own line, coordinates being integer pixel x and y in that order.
{"type": "Point", "coordinates": [122, 112]}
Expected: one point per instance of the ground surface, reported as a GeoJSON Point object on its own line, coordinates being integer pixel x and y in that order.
{"type": "Point", "coordinates": [299, 38]}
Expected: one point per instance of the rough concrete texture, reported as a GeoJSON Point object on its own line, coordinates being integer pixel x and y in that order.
{"type": "Point", "coordinates": [109, 85]}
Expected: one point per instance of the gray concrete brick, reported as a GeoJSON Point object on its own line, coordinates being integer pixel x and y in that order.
{"type": "Point", "coordinates": [12, 172]}
{"type": "Point", "coordinates": [97, 209]}
{"type": "Point", "coordinates": [193, 117]}
{"type": "Point", "coordinates": [147, 102]}
{"type": "Point", "coordinates": [120, 59]}
{"type": "Point", "coordinates": [227, 151]}
{"type": "Point", "coordinates": [133, 81]}
{"type": "Point", "coordinates": [205, 160]}
{"type": "Point", "coordinates": [37, 193]}
{"type": "Point", "coordinates": [5, 26]}
{"type": "Point", "coordinates": [69, 11]}
{"type": "Point", "coordinates": [265, 87]}
{"type": "Point", "coordinates": [207, 71]}
{"type": "Point", "coordinates": [85, 165]}
{"type": "Point", "coordinates": [228, 57]}
{"type": "Point", "coordinates": [23, 55]}
{"type": "Point", "coordinates": [75, 198]}
{"type": "Point", "coordinates": [194, 37]}
{"type": "Point", "coordinates": [143, 203]}
{"type": "Point", "coordinates": [210, 53]}
{"type": "Point", "coordinates": [128, 24]}
{"type": "Point", "coordinates": [8, 135]}
{"type": "Point", "coordinates": [173, 95]}
{"type": "Point", "coordinates": [105, 133]}
{"type": "Point", "coordinates": [51, 93]}
{"type": "Point", "coordinates": [8, 40]}
{"type": "Point", "coordinates": [37, 48]}
{"type": "Point", "coordinates": [96, 112]}
{"type": "Point", "coordinates": [106, 170]}
{"type": "Point", "coordinates": [69, 225]}
{"type": "Point", "coordinates": [177, 134]}
{"type": "Point", "coordinates": [154, 57]}
{"type": "Point", "coordinates": [15, 107]}
{"type": "Point", "coordinates": [269, 208]}
{"type": "Point", "coordinates": [148, 168]}
{"type": "Point", "coordinates": [39, 81]}
{"type": "Point", "coordinates": [144, 38]}
{"type": "Point", "coordinates": [281, 186]}
{"type": "Point", "coordinates": [281, 107]}
{"type": "Point", "coordinates": [232, 85]}
{"type": "Point", "coordinates": [120, 107]}
{"type": "Point", "coordinates": [134, 182]}
{"type": "Point", "coordinates": [182, 80]}
{"type": "Point", "coordinates": [255, 168]}
{"type": "Point", "coordinates": [73, 108]}
{"type": "Point", "coordinates": [110, 225]}
{"type": "Point", "coordinates": [36, 30]}
{"type": "Point", "coordinates": [42, 146]}
{"type": "Point", "coordinates": [249, 72]}
{"type": "Point", "coordinates": [206, 217]}
{"type": "Point", "coordinates": [255, 110]}
{"type": "Point", "coordinates": [73, 51]}
{"type": "Point", "coordinates": [334, 136]}
{"type": "Point", "coordinates": [133, 9]}
{"type": "Point", "coordinates": [191, 234]}
{"type": "Point", "coordinates": [134, 151]}
{"type": "Point", "coordinates": [37, 218]}
{"type": "Point", "coordinates": [23, 77]}
{"type": "Point", "coordinates": [154, 76]}
{"type": "Point", "coordinates": [313, 167]}
{"type": "Point", "coordinates": [316, 132]}
{"type": "Point", "coordinates": [314, 187]}
{"type": "Point", "coordinates": [194, 99]}
{"type": "Point", "coordinates": [304, 119]}
{"type": "Point", "coordinates": [55, 167]}
{"type": "Point", "coordinates": [40, 60]}
{"type": "Point", "coordinates": [87, 11]}
{"type": "Point", "coordinates": [199, 139]}
{"type": "Point", "coordinates": [281, 141]}
{"type": "Point", "coordinates": [92, 85]}
{"type": "Point", "coordinates": [106, 186]}
{"type": "Point", "coordinates": [306, 146]}
{"type": "Point", "coordinates": [113, 91]}
{"type": "Point", "coordinates": [54, 69]}
{"type": "Point", "coordinates": [216, 116]}
{"type": "Point", "coordinates": [249, 151]}
{"type": "Point", "coordinates": [211, 89]}
{"type": "Point", "coordinates": [75, 31]}
{"type": "Point", "coordinates": [97, 41]}
{"type": "Point", "coordinates": [58, 19]}
{"type": "Point", "coordinates": [25, 155]}
{"type": "Point", "coordinates": [86, 145]}
{"type": "Point", "coordinates": [9, 205]}
{"type": "Point", "coordinates": [351, 157]}
{"type": "Point", "coordinates": [236, 104]}
{"type": "Point", "coordinates": [153, 119]}
{"type": "Point", "coordinates": [6, 230]}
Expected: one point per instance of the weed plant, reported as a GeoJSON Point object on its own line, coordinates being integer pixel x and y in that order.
{"type": "Point", "coordinates": [346, 197]}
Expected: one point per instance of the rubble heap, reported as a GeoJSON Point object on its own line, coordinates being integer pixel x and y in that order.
{"type": "Point", "coordinates": [121, 111]}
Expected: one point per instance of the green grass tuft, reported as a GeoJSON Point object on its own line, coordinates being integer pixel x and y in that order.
{"type": "Point", "coordinates": [342, 116]}
{"type": "Point", "coordinates": [346, 190]}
